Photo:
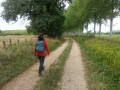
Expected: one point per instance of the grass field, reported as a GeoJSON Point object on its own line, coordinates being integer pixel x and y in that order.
{"type": "Point", "coordinates": [103, 62]}
{"type": "Point", "coordinates": [106, 36]}
{"type": "Point", "coordinates": [15, 32]}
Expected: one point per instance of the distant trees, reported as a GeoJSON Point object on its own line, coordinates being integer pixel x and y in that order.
{"type": "Point", "coordinates": [83, 12]}
{"type": "Point", "coordinates": [1, 33]}
{"type": "Point", "coordinates": [45, 16]}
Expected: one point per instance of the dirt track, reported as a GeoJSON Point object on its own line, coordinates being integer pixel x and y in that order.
{"type": "Point", "coordinates": [27, 79]}
{"type": "Point", "coordinates": [73, 77]}
{"type": "Point", "coordinates": [74, 74]}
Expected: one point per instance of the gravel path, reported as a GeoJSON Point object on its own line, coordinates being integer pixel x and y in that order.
{"type": "Point", "coordinates": [28, 79]}
{"type": "Point", "coordinates": [74, 74]}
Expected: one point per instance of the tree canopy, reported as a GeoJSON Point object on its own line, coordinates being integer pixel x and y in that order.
{"type": "Point", "coordinates": [45, 16]}
{"type": "Point", "coordinates": [83, 12]}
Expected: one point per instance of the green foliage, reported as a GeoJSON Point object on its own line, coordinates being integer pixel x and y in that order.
{"type": "Point", "coordinates": [83, 12]}
{"type": "Point", "coordinates": [47, 24]}
{"type": "Point", "coordinates": [2, 33]}
{"type": "Point", "coordinates": [103, 62]}
{"type": "Point", "coordinates": [72, 19]}
{"type": "Point", "coordinates": [46, 16]}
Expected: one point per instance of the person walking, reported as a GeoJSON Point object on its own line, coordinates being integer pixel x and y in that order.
{"type": "Point", "coordinates": [40, 48]}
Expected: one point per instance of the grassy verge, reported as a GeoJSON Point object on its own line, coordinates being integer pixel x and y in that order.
{"type": "Point", "coordinates": [50, 80]}
{"type": "Point", "coordinates": [103, 62]}
{"type": "Point", "coordinates": [17, 58]}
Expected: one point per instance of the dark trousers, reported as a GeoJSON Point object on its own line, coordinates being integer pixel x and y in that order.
{"type": "Point", "coordinates": [41, 58]}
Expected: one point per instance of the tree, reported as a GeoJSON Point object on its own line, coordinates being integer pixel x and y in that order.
{"type": "Point", "coordinates": [72, 16]}
{"type": "Point", "coordinates": [45, 16]}
{"type": "Point", "coordinates": [82, 12]}
{"type": "Point", "coordinates": [113, 9]}
{"type": "Point", "coordinates": [0, 31]}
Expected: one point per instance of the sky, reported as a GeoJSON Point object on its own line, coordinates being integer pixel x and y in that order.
{"type": "Point", "coordinates": [106, 27]}
{"type": "Point", "coordinates": [21, 23]}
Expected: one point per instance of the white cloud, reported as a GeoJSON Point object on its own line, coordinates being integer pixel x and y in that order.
{"type": "Point", "coordinates": [1, 1]}
{"type": "Point", "coordinates": [19, 25]}
{"type": "Point", "coordinates": [1, 9]}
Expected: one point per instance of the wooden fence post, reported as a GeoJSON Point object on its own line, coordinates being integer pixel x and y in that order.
{"type": "Point", "coordinates": [18, 41]}
{"type": "Point", "coordinates": [26, 40]}
{"type": "Point", "coordinates": [31, 39]}
{"type": "Point", "coordinates": [4, 44]}
{"type": "Point", "coordinates": [10, 42]}
{"type": "Point", "coordinates": [15, 43]}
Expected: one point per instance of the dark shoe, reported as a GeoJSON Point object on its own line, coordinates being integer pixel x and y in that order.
{"type": "Point", "coordinates": [39, 75]}
{"type": "Point", "coordinates": [43, 67]}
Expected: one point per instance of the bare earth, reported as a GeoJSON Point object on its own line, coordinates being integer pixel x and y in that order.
{"type": "Point", "coordinates": [28, 79]}
{"type": "Point", "coordinates": [74, 74]}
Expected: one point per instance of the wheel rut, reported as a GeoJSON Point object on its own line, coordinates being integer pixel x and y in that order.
{"type": "Point", "coordinates": [74, 74]}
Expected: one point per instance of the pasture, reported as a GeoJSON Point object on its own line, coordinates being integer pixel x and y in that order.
{"type": "Point", "coordinates": [15, 32]}
{"type": "Point", "coordinates": [106, 36]}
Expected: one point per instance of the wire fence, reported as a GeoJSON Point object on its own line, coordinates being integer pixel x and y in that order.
{"type": "Point", "coordinates": [10, 42]}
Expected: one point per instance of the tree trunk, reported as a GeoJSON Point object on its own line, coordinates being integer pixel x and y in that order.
{"type": "Point", "coordinates": [111, 27]}
{"type": "Point", "coordinates": [94, 28]}
{"type": "Point", "coordinates": [111, 20]}
{"type": "Point", "coordinates": [87, 28]}
{"type": "Point", "coordinates": [100, 29]}
{"type": "Point", "coordinates": [75, 32]}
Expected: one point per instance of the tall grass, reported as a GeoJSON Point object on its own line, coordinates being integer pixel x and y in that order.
{"type": "Point", "coordinates": [104, 62]}
{"type": "Point", "coordinates": [15, 59]}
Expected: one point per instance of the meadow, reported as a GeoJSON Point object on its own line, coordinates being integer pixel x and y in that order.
{"type": "Point", "coordinates": [106, 36]}
{"type": "Point", "coordinates": [15, 32]}
{"type": "Point", "coordinates": [16, 36]}
{"type": "Point", "coordinates": [17, 58]}
{"type": "Point", "coordinates": [102, 61]}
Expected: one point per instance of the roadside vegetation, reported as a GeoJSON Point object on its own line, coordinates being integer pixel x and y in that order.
{"type": "Point", "coordinates": [17, 58]}
{"type": "Point", "coordinates": [103, 62]}
{"type": "Point", "coordinates": [53, 76]}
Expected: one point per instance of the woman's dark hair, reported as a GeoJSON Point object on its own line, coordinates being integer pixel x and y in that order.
{"type": "Point", "coordinates": [40, 36]}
